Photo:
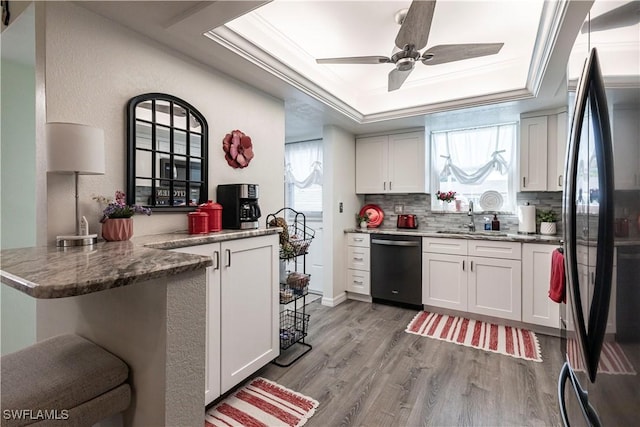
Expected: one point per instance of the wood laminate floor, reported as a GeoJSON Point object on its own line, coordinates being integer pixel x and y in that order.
{"type": "Point", "coordinates": [366, 371]}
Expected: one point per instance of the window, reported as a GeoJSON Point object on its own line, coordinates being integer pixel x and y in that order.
{"type": "Point", "coordinates": [167, 153]}
{"type": "Point", "coordinates": [473, 161]}
{"type": "Point", "coordinates": [303, 177]}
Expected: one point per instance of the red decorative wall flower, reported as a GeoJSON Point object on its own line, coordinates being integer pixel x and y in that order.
{"type": "Point", "coordinates": [238, 149]}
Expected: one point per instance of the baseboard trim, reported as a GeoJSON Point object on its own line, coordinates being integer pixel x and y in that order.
{"type": "Point", "coordinates": [332, 302]}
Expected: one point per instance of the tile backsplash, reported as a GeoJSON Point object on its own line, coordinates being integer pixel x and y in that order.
{"type": "Point", "coordinates": [627, 205]}
{"type": "Point", "coordinates": [420, 205]}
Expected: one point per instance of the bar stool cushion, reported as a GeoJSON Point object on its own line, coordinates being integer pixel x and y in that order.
{"type": "Point", "coordinates": [66, 372]}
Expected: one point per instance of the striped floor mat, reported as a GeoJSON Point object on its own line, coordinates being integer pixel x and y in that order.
{"type": "Point", "coordinates": [612, 359]}
{"type": "Point", "coordinates": [515, 342]}
{"type": "Point", "coordinates": [262, 403]}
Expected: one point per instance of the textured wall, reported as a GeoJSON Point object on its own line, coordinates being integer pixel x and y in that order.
{"type": "Point", "coordinates": [420, 204]}
{"type": "Point", "coordinates": [94, 66]}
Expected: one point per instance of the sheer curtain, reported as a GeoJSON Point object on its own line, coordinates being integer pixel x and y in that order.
{"type": "Point", "coordinates": [472, 161]}
{"type": "Point", "coordinates": [303, 177]}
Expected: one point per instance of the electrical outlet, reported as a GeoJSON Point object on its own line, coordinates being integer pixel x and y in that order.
{"type": "Point", "coordinates": [398, 209]}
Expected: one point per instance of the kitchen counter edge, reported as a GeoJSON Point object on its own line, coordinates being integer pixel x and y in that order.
{"type": "Point", "coordinates": [51, 272]}
{"type": "Point", "coordinates": [524, 238]}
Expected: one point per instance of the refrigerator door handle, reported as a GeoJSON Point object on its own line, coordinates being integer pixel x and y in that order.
{"type": "Point", "coordinates": [588, 412]}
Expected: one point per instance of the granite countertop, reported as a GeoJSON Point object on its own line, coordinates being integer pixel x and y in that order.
{"type": "Point", "coordinates": [51, 272]}
{"type": "Point", "coordinates": [462, 234]}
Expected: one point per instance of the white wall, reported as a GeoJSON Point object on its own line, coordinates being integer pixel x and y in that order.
{"type": "Point", "coordinates": [339, 186]}
{"type": "Point", "coordinates": [94, 66]}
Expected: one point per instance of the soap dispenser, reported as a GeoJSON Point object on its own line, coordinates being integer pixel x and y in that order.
{"type": "Point", "coordinates": [495, 224]}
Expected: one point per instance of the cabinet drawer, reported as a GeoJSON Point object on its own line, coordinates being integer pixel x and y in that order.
{"type": "Point", "coordinates": [444, 246]}
{"type": "Point", "coordinates": [358, 239]}
{"type": "Point", "coordinates": [359, 282]}
{"type": "Point", "coordinates": [495, 249]}
{"type": "Point", "coordinates": [358, 258]}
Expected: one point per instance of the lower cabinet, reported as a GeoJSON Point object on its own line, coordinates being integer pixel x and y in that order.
{"type": "Point", "coordinates": [488, 284]}
{"type": "Point", "coordinates": [358, 264]}
{"type": "Point", "coordinates": [444, 281]}
{"type": "Point", "coordinates": [537, 307]}
{"type": "Point", "coordinates": [495, 288]}
{"type": "Point", "coordinates": [242, 310]}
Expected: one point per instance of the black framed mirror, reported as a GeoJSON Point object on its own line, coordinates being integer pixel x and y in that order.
{"type": "Point", "coordinates": [167, 140]}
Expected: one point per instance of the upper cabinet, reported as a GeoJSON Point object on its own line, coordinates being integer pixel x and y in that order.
{"type": "Point", "coordinates": [626, 148]}
{"type": "Point", "coordinates": [391, 164]}
{"type": "Point", "coordinates": [543, 140]}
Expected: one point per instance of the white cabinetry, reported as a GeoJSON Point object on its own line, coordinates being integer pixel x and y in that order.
{"type": "Point", "coordinates": [444, 275]}
{"type": "Point", "coordinates": [495, 287]}
{"type": "Point", "coordinates": [358, 264]}
{"type": "Point", "coordinates": [455, 277]}
{"type": "Point", "coordinates": [391, 164]}
{"type": "Point", "coordinates": [537, 307]}
{"type": "Point", "coordinates": [242, 310]}
{"type": "Point", "coordinates": [626, 148]}
{"type": "Point", "coordinates": [543, 140]}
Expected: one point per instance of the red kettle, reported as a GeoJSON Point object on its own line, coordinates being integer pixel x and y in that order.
{"type": "Point", "coordinates": [407, 221]}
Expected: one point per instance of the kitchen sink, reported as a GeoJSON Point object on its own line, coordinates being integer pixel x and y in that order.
{"type": "Point", "coordinates": [474, 233]}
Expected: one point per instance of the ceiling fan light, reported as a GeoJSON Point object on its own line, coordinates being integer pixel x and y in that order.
{"type": "Point", "coordinates": [405, 64]}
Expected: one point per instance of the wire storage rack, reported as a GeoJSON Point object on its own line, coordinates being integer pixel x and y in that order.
{"type": "Point", "coordinates": [295, 239]}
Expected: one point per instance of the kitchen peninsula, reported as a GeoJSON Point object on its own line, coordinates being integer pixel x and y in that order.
{"type": "Point", "coordinates": [145, 305]}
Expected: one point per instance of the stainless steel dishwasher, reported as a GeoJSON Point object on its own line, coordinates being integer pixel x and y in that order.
{"type": "Point", "coordinates": [396, 269]}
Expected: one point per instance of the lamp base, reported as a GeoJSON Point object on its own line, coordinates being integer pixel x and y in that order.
{"type": "Point", "coordinates": [67, 241]}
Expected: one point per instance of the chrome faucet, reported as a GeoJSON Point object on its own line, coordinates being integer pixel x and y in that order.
{"type": "Point", "coordinates": [472, 224]}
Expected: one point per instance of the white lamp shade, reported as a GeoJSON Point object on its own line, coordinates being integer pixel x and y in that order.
{"type": "Point", "coordinates": [73, 147]}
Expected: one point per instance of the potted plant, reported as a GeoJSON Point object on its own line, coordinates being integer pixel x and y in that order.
{"type": "Point", "coordinates": [362, 220]}
{"type": "Point", "coordinates": [116, 217]}
{"type": "Point", "coordinates": [547, 219]}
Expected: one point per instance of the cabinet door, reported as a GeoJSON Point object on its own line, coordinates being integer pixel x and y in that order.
{"type": "Point", "coordinates": [537, 307]}
{"type": "Point", "coordinates": [533, 154]}
{"type": "Point", "coordinates": [626, 148]}
{"type": "Point", "coordinates": [444, 281]}
{"type": "Point", "coordinates": [249, 307]}
{"type": "Point", "coordinates": [212, 343]}
{"type": "Point", "coordinates": [371, 165]}
{"type": "Point", "coordinates": [556, 147]}
{"type": "Point", "coordinates": [495, 287]}
{"type": "Point", "coordinates": [407, 172]}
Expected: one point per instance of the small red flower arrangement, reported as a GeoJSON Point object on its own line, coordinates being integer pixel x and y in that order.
{"type": "Point", "coordinates": [446, 196]}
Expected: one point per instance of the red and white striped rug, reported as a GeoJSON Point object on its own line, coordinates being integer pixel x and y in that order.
{"type": "Point", "coordinates": [262, 403]}
{"type": "Point", "coordinates": [612, 359]}
{"type": "Point", "coordinates": [515, 342]}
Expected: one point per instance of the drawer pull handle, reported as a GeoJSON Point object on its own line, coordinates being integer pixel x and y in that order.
{"type": "Point", "coordinates": [216, 257]}
{"type": "Point", "coordinates": [358, 239]}
{"type": "Point", "coordinates": [358, 282]}
{"type": "Point", "coordinates": [228, 251]}
{"type": "Point", "coordinates": [462, 265]}
{"type": "Point", "coordinates": [560, 181]}
{"type": "Point", "coordinates": [384, 185]}
{"type": "Point", "coordinates": [355, 258]}
{"type": "Point", "coordinates": [395, 292]}
{"type": "Point", "coordinates": [471, 265]}
{"type": "Point", "coordinates": [524, 181]}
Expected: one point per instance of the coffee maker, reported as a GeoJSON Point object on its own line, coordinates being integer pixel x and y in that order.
{"type": "Point", "coordinates": [240, 209]}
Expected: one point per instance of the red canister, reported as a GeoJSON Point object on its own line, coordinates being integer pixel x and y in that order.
{"type": "Point", "coordinates": [214, 210]}
{"type": "Point", "coordinates": [198, 222]}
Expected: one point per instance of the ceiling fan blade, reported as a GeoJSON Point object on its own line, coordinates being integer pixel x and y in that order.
{"type": "Point", "coordinates": [456, 52]}
{"type": "Point", "coordinates": [416, 26]}
{"type": "Point", "coordinates": [355, 60]}
{"type": "Point", "coordinates": [623, 16]}
{"type": "Point", "coordinates": [397, 78]}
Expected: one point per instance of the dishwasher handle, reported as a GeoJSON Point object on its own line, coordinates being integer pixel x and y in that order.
{"type": "Point", "coordinates": [395, 242]}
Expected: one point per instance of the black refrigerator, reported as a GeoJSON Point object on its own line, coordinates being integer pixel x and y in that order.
{"type": "Point", "coordinates": [599, 382]}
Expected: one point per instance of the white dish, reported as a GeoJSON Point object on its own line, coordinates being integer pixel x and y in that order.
{"type": "Point", "coordinates": [491, 200]}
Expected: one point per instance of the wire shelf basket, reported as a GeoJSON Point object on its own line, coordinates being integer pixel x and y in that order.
{"type": "Point", "coordinates": [293, 327]}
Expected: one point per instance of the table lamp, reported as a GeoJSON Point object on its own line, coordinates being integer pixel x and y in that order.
{"type": "Point", "coordinates": [79, 150]}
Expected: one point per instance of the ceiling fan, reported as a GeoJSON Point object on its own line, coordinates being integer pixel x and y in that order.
{"type": "Point", "coordinates": [415, 25]}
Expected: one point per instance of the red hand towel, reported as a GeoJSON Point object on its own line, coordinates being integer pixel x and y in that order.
{"type": "Point", "coordinates": [557, 282]}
